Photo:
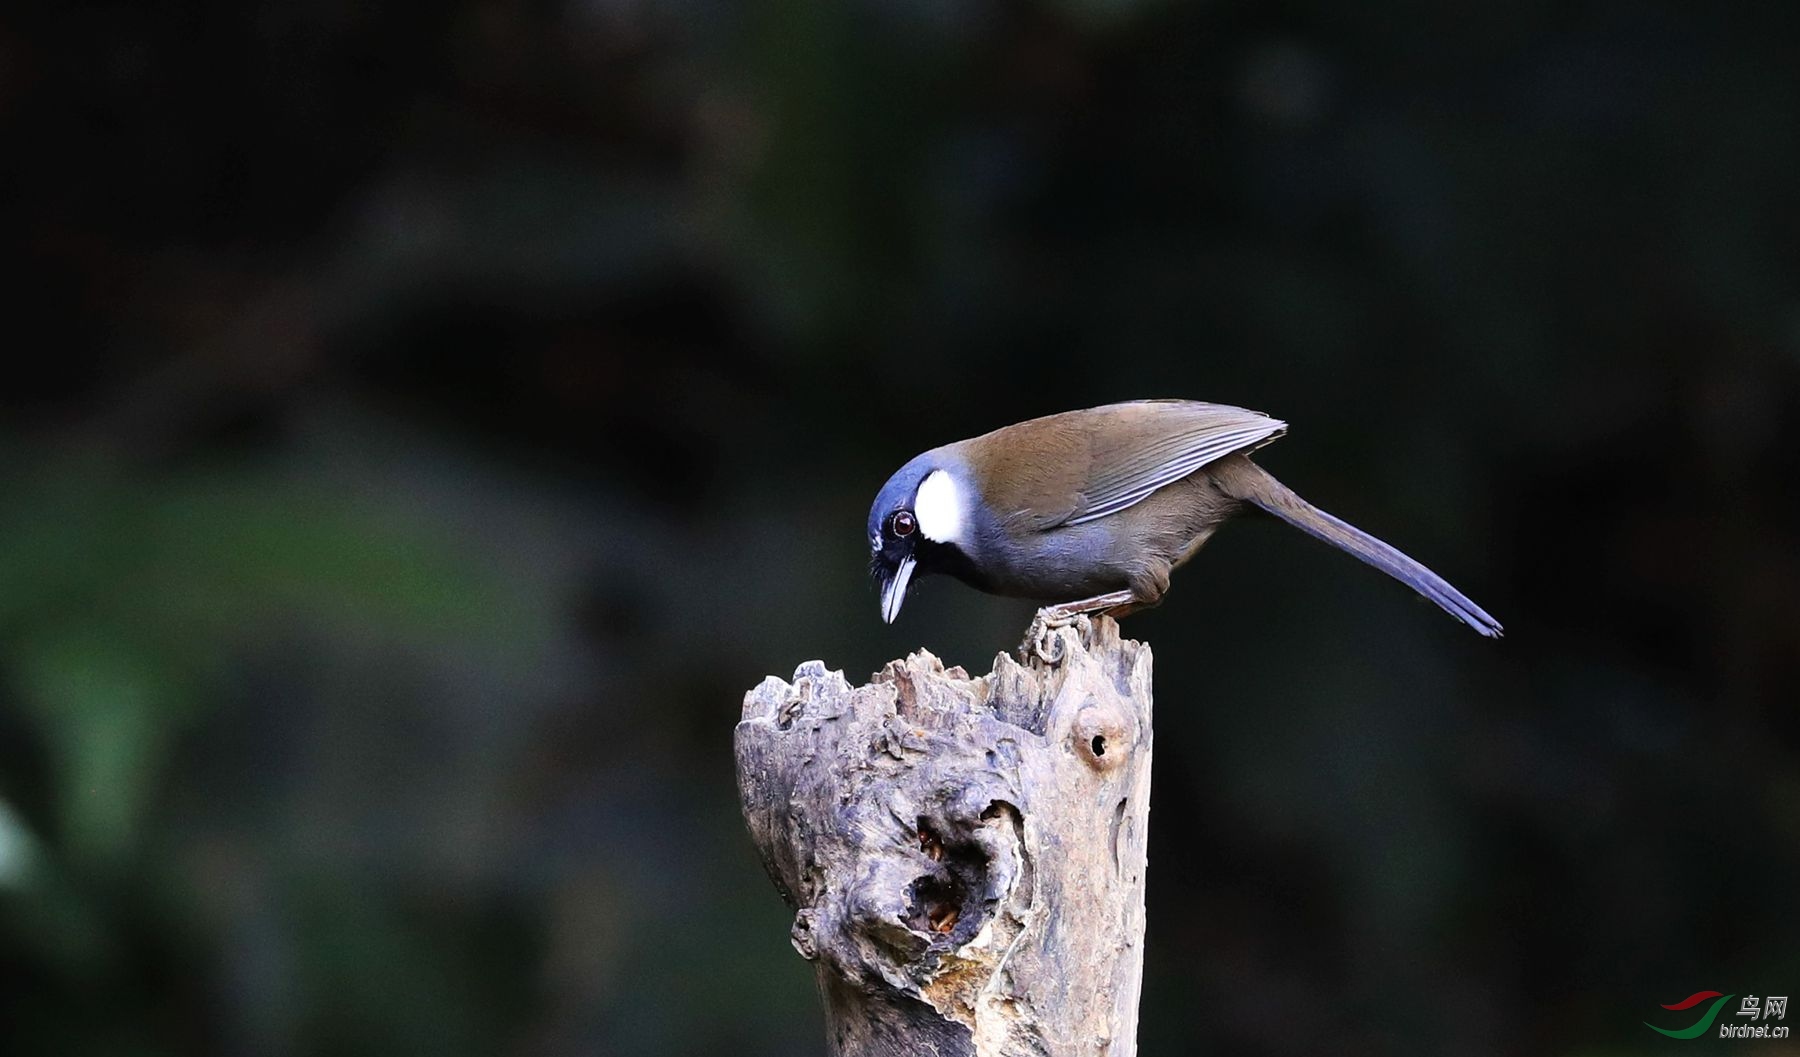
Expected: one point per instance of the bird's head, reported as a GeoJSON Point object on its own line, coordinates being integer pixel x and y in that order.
{"type": "Point", "coordinates": [918, 525]}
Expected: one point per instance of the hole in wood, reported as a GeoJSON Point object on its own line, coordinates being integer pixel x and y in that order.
{"type": "Point", "coordinates": [936, 904]}
{"type": "Point", "coordinates": [948, 895]}
{"type": "Point", "coordinates": [1101, 736]}
{"type": "Point", "coordinates": [929, 843]}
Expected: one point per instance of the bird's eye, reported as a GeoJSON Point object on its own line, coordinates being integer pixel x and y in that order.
{"type": "Point", "coordinates": [904, 523]}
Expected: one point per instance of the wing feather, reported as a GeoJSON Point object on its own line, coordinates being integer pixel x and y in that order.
{"type": "Point", "coordinates": [1156, 443]}
{"type": "Point", "coordinates": [1078, 466]}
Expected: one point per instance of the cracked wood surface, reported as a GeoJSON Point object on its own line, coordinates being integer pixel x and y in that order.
{"type": "Point", "coordinates": [965, 856]}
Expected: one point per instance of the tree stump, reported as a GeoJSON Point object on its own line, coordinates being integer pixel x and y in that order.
{"type": "Point", "coordinates": [965, 856]}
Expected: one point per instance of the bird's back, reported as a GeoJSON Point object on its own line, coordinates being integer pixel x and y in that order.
{"type": "Point", "coordinates": [1079, 466]}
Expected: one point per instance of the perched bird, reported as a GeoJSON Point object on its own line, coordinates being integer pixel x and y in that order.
{"type": "Point", "coordinates": [1093, 509]}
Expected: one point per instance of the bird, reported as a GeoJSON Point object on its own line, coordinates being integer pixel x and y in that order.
{"type": "Point", "coordinates": [1090, 511]}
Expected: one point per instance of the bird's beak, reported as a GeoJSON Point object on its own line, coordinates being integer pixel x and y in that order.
{"type": "Point", "coordinates": [893, 589]}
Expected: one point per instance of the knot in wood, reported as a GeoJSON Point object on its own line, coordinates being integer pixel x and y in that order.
{"type": "Point", "coordinates": [1102, 735]}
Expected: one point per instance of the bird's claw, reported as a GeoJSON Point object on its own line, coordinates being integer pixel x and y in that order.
{"type": "Point", "coordinates": [1042, 640]}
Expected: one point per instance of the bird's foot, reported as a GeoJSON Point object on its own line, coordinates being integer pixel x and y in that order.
{"type": "Point", "coordinates": [1041, 638]}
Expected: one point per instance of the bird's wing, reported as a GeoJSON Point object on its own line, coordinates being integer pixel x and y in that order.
{"type": "Point", "coordinates": [1134, 449]}
{"type": "Point", "coordinates": [1077, 466]}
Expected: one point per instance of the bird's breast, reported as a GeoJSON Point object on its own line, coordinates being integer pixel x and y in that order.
{"type": "Point", "coordinates": [1055, 566]}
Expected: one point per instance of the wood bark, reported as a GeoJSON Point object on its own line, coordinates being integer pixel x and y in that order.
{"type": "Point", "coordinates": [965, 856]}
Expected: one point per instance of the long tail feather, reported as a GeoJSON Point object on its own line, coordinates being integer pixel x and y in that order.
{"type": "Point", "coordinates": [1246, 481]}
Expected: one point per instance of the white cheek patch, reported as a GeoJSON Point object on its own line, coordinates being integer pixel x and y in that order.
{"type": "Point", "coordinates": [939, 508]}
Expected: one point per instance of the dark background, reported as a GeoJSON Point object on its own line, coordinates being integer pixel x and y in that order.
{"type": "Point", "coordinates": [423, 421]}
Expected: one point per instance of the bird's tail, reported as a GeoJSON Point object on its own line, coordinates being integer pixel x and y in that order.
{"type": "Point", "coordinates": [1244, 480]}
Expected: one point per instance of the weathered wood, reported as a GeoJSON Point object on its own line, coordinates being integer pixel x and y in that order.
{"type": "Point", "coordinates": [965, 856]}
